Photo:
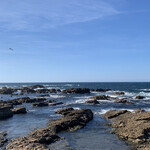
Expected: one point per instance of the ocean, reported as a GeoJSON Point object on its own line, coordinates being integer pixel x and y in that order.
{"type": "Point", "coordinates": [94, 136]}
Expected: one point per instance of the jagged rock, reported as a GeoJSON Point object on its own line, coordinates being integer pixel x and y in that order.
{"type": "Point", "coordinates": [76, 91]}
{"type": "Point", "coordinates": [64, 111]}
{"type": "Point", "coordinates": [36, 140]}
{"type": "Point", "coordinates": [139, 97]}
{"type": "Point", "coordinates": [133, 127]}
{"type": "Point", "coordinates": [40, 104]}
{"type": "Point", "coordinates": [73, 120]}
{"type": "Point", "coordinates": [94, 102]}
{"type": "Point", "coordinates": [20, 110]}
{"type": "Point", "coordinates": [5, 112]}
{"type": "Point", "coordinates": [54, 104]}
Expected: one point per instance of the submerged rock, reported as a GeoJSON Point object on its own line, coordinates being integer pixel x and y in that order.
{"type": "Point", "coordinates": [94, 102]}
{"type": "Point", "coordinates": [76, 91]}
{"type": "Point", "coordinates": [133, 127]}
{"type": "Point", "coordinates": [20, 110]}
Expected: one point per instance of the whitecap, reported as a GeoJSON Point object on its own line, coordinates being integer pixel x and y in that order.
{"type": "Point", "coordinates": [57, 96]}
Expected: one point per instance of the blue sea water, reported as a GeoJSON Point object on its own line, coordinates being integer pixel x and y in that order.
{"type": "Point", "coordinates": [95, 135]}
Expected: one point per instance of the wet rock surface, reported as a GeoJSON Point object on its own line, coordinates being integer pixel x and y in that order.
{"type": "Point", "coordinates": [3, 138]}
{"type": "Point", "coordinates": [56, 103]}
{"type": "Point", "coordinates": [5, 112]}
{"type": "Point", "coordinates": [100, 90]}
{"type": "Point", "coordinates": [20, 110]}
{"type": "Point", "coordinates": [139, 97]}
{"type": "Point", "coordinates": [124, 101]}
{"type": "Point", "coordinates": [64, 111]}
{"type": "Point", "coordinates": [40, 104]}
{"type": "Point", "coordinates": [119, 93]}
{"type": "Point", "coordinates": [131, 126]}
{"type": "Point", "coordinates": [100, 97]}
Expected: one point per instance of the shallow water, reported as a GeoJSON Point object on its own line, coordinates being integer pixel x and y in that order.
{"type": "Point", "coordinates": [95, 135]}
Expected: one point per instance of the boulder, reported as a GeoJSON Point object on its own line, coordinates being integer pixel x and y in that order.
{"type": "Point", "coordinates": [119, 93]}
{"type": "Point", "coordinates": [75, 119]}
{"type": "Point", "coordinates": [6, 90]}
{"type": "Point", "coordinates": [76, 91]}
{"type": "Point", "coordinates": [94, 102]}
{"type": "Point", "coordinates": [20, 110]}
{"type": "Point", "coordinates": [139, 97]}
{"type": "Point", "coordinates": [64, 111]}
{"type": "Point", "coordinates": [40, 104]}
{"type": "Point", "coordinates": [5, 112]}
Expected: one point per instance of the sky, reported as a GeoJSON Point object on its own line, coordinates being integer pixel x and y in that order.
{"type": "Point", "coordinates": [75, 40]}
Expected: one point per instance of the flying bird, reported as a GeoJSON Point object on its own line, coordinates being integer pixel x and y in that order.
{"type": "Point", "coordinates": [10, 49]}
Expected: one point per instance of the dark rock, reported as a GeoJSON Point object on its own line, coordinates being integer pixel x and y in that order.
{"type": "Point", "coordinates": [52, 90]}
{"type": "Point", "coordinates": [64, 111]}
{"type": "Point", "coordinates": [119, 93]}
{"type": "Point", "coordinates": [34, 100]}
{"type": "Point", "coordinates": [36, 86]}
{"type": "Point", "coordinates": [76, 91]}
{"type": "Point", "coordinates": [50, 101]}
{"type": "Point", "coordinates": [5, 112]}
{"type": "Point", "coordinates": [75, 119]}
{"type": "Point", "coordinates": [42, 91]}
{"type": "Point", "coordinates": [20, 110]}
{"type": "Point", "coordinates": [100, 97]}
{"type": "Point", "coordinates": [6, 90]}
{"type": "Point", "coordinates": [139, 97]}
{"type": "Point", "coordinates": [54, 104]}
{"type": "Point", "coordinates": [100, 90]}
{"type": "Point", "coordinates": [124, 101]}
{"type": "Point", "coordinates": [94, 102]}
{"type": "Point", "coordinates": [3, 138]}
{"type": "Point", "coordinates": [46, 95]}
{"type": "Point", "coordinates": [40, 104]}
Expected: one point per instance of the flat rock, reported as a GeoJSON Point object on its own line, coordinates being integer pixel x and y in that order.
{"type": "Point", "coordinates": [64, 111]}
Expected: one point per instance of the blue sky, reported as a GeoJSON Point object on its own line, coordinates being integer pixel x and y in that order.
{"type": "Point", "coordinates": [74, 40]}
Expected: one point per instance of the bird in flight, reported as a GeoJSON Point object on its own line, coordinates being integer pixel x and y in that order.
{"type": "Point", "coordinates": [10, 49]}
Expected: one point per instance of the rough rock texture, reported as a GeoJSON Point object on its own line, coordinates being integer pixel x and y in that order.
{"type": "Point", "coordinates": [100, 97]}
{"type": "Point", "coordinates": [36, 140]}
{"type": "Point", "coordinates": [124, 101]}
{"type": "Point", "coordinates": [76, 91]}
{"type": "Point", "coordinates": [73, 120]}
{"type": "Point", "coordinates": [100, 90]}
{"type": "Point", "coordinates": [40, 104]}
{"type": "Point", "coordinates": [3, 138]}
{"type": "Point", "coordinates": [34, 100]}
{"type": "Point", "coordinates": [94, 102]}
{"type": "Point", "coordinates": [139, 97]}
{"type": "Point", "coordinates": [133, 127]}
{"type": "Point", "coordinates": [64, 111]}
{"type": "Point", "coordinates": [5, 112]}
{"type": "Point", "coordinates": [20, 110]}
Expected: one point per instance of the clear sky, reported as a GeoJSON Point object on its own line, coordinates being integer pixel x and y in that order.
{"type": "Point", "coordinates": [74, 40]}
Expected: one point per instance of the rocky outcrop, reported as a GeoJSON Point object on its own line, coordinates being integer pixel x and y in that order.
{"type": "Point", "coordinates": [6, 90]}
{"type": "Point", "coordinates": [94, 102]}
{"type": "Point", "coordinates": [133, 127]}
{"type": "Point", "coordinates": [34, 100]}
{"type": "Point", "coordinates": [20, 110]}
{"type": "Point", "coordinates": [40, 104]}
{"type": "Point", "coordinates": [100, 90]}
{"type": "Point", "coordinates": [36, 140]}
{"type": "Point", "coordinates": [119, 93]}
{"type": "Point", "coordinates": [139, 97]}
{"type": "Point", "coordinates": [99, 97]}
{"type": "Point", "coordinates": [76, 91]}
{"type": "Point", "coordinates": [124, 101]}
{"type": "Point", "coordinates": [73, 120]}
{"type": "Point", "coordinates": [5, 112]}
{"type": "Point", "coordinates": [64, 111]}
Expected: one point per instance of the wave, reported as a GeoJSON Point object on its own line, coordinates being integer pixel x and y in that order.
{"type": "Point", "coordinates": [57, 96]}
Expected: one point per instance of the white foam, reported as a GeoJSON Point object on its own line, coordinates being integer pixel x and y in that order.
{"type": "Point", "coordinates": [57, 96]}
